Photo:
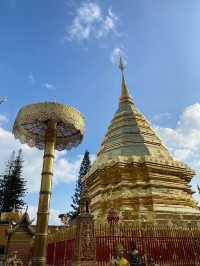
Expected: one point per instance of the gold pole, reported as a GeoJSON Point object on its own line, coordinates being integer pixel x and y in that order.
{"type": "Point", "coordinates": [40, 246]}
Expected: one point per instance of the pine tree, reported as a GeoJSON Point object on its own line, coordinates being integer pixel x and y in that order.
{"type": "Point", "coordinates": [4, 181]}
{"type": "Point", "coordinates": [13, 185]}
{"type": "Point", "coordinates": [84, 168]}
{"type": "Point", "coordinates": [19, 184]}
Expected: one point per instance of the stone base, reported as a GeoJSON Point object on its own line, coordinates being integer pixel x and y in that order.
{"type": "Point", "coordinates": [85, 263]}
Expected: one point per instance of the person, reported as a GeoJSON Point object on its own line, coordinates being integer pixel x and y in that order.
{"type": "Point", "coordinates": [119, 260]}
{"type": "Point", "coordinates": [134, 257]}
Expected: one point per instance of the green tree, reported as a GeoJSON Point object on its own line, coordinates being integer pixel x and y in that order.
{"type": "Point", "coordinates": [84, 168]}
{"type": "Point", "coordinates": [4, 181]}
{"type": "Point", "coordinates": [12, 185]}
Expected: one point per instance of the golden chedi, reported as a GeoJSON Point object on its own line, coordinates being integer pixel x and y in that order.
{"type": "Point", "coordinates": [135, 174]}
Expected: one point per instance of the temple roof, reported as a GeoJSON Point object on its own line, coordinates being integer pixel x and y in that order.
{"type": "Point", "coordinates": [129, 133]}
{"type": "Point", "coordinates": [24, 222]}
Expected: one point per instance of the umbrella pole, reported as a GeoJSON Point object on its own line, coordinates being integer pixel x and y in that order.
{"type": "Point", "coordinates": [40, 244]}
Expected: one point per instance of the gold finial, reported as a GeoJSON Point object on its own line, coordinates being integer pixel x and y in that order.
{"type": "Point", "coordinates": [121, 63]}
{"type": "Point", "coordinates": [124, 90]}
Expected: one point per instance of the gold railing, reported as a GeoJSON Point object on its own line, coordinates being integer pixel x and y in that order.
{"type": "Point", "coordinates": [62, 234]}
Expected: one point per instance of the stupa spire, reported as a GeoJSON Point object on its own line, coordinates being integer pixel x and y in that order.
{"type": "Point", "coordinates": [145, 182]}
{"type": "Point", "coordinates": [125, 96]}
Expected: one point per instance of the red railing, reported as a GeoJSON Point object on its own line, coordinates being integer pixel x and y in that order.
{"type": "Point", "coordinates": [61, 253]}
{"type": "Point", "coordinates": [166, 245]}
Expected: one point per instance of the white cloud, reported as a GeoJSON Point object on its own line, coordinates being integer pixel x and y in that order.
{"type": "Point", "coordinates": [49, 86]}
{"type": "Point", "coordinates": [65, 170]}
{"type": "Point", "coordinates": [53, 217]}
{"type": "Point", "coordinates": [184, 140]}
{"type": "Point", "coordinates": [3, 119]}
{"type": "Point", "coordinates": [31, 78]}
{"type": "Point", "coordinates": [91, 22]}
{"type": "Point", "coordinates": [32, 162]}
{"type": "Point", "coordinates": [3, 99]}
{"type": "Point", "coordinates": [186, 136]}
{"type": "Point", "coordinates": [115, 55]}
{"type": "Point", "coordinates": [162, 117]}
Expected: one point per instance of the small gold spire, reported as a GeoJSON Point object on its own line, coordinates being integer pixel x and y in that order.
{"type": "Point", "coordinates": [121, 64]}
{"type": "Point", "coordinates": [124, 90]}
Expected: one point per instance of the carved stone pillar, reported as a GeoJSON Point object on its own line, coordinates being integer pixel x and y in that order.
{"type": "Point", "coordinates": [85, 248]}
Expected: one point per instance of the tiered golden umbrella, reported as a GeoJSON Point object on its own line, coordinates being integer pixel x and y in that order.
{"type": "Point", "coordinates": [49, 126]}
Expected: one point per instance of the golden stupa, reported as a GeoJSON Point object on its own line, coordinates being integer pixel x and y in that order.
{"type": "Point", "coordinates": [135, 174]}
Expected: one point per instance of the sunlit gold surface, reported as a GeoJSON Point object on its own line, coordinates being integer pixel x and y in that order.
{"type": "Point", "coordinates": [135, 173]}
{"type": "Point", "coordinates": [45, 196]}
{"type": "Point", "coordinates": [11, 216]}
{"type": "Point", "coordinates": [30, 125]}
{"type": "Point", "coordinates": [48, 126]}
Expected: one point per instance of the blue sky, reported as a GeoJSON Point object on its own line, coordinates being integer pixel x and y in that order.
{"type": "Point", "coordinates": [68, 49]}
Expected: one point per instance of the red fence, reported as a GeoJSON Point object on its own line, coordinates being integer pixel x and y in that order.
{"type": "Point", "coordinates": [166, 245]}
{"type": "Point", "coordinates": [61, 253]}
{"type": "Point", "coordinates": [61, 247]}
